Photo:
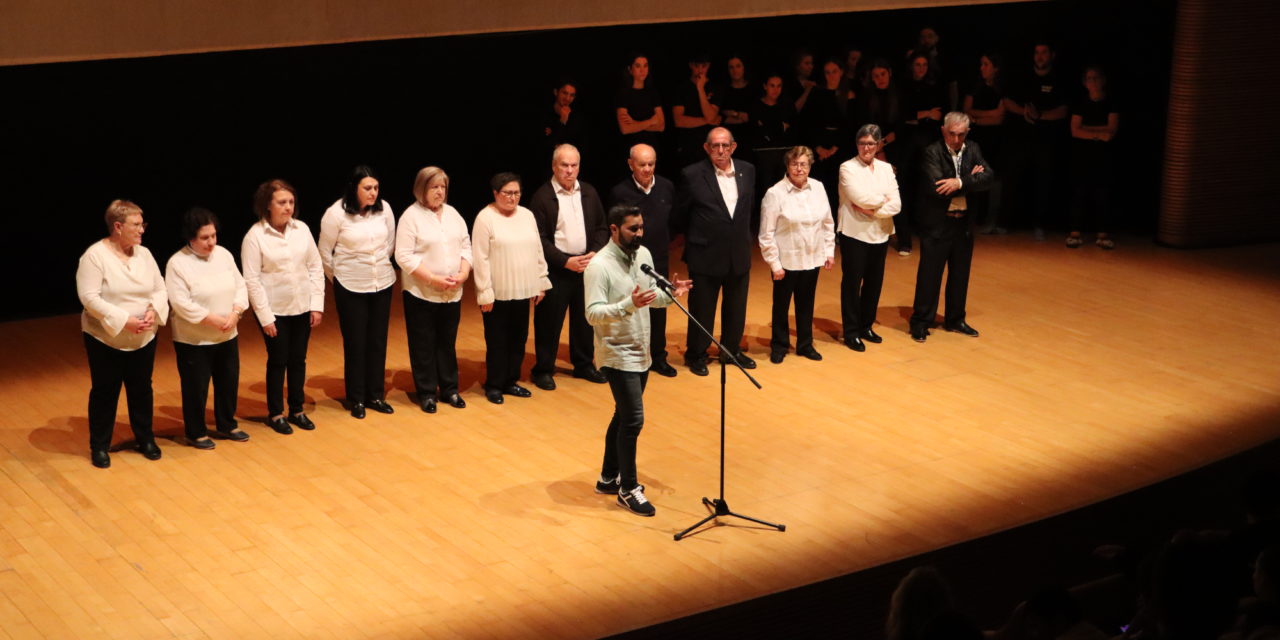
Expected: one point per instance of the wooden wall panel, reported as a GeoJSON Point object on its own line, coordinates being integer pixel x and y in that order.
{"type": "Point", "coordinates": [1222, 140]}
{"type": "Point", "coordinates": [37, 31]}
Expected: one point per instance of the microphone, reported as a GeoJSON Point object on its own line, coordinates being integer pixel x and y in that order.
{"type": "Point", "coordinates": [657, 277]}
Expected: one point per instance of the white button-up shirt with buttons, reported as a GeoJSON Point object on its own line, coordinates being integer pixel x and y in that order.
{"type": "Point", "coordinates": [728, 181]}
{"type": "Point", "coordinates": [282, 271]}
{"type": "Point", "coordinates": [438, 240]}
{"type": "Point", "coordinates": [796, 229]}
{"type": "Point", "coordinates": [868, 186]}
{"type": "Point", "coordinates": [356, 249]}
{"type": "Point", "coordinates": [571, 230]}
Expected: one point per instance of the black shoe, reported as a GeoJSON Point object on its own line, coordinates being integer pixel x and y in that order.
{"type": "Point", "coordinates": [454, 400]}
{"type": "Point", "coordinates": [919, 334]}
{"type": "Point", "coordinates": [428, 404]}
{"type": "Point", "coordinates": [357, 410]}
{"type": "Point", "coordinates": [697, 367]}
{"type": "Point", "coordinates": [590, 374]}
{"type": "Point", "coordinates": [302, 422]}
{"type": "Point", "coordinates": [149, 450]}
{"type": "Point", "coordinates": [101, 459]}
{"type": "Point", "coordinates": [516, 390]}
{"type": "Point", "coordinates": [635, 502]}
{"type": "Point", "coordinates": [663, 368]}
{"type": "Point", "coordinates": [810, 353]}
{"type": "Point", "coordinates": [872, 337]}
{"type": "Point", "coordinates": [281, 427]}
{"type": "Point", "coordinates": [380, 405]}
{"type": "Point", "coordinates": [855, 343]}
{"type": "Point", "coordinates": [231, 434]}
{"type": "Point", "coordinates": [962, 327]}
{"type": "Point", "coordinates": [746, 362]}
{"type": "Point", "coordinates": [545, 382]}
{"type": "Point", "coordinates": [777, 356]}
{"type": "Point", "coordinates": [494, 395]}
{"type": "Point", "coordinates": [607, 488]}
{"type": "Point", "coordinates": [204, 443]}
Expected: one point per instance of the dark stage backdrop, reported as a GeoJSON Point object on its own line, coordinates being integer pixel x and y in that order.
{"type": "Point", "coordinates": [171, 132]}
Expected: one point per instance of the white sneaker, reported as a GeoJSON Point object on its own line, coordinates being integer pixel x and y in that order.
{"type": "Point", "coordinates": [635, 502]}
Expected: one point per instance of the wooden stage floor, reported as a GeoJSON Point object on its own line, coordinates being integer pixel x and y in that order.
{"type": "Point", "coordinates": [1096, 373]}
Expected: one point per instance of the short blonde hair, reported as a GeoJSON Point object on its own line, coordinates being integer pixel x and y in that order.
{"type": "Point", "coordinates": [119, 211]}
{"type": "Point", "coordinates": [796, 152]}
{"type": "Point", "coordinates": [426, 176]}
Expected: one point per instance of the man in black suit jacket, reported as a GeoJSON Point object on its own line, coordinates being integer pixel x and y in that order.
{"type": "Point", "coordinates": [713, 210]}
{"type": "Point", "coordinates": [571, 223]}
{"type": "Point", "coordinates": [654, 195]}
{"type": "Point", "coordinates": [951, 169]}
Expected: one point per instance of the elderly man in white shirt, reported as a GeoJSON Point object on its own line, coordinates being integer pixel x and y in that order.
{"type": "Point", "coordinates": [869, 199]}
{"type": "Point", "coordinates": [797, 236]}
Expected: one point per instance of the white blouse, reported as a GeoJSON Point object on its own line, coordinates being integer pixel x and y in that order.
{"type": "Point", "coordinates": [509, 264]}
{"type": "Point", "coordinates": [111, 290]}
{"type": "Point", "coordinates": [796, 229]}
{"type": "Point", "coordinates": [867, 186]}
{"type": "Point", "coordinates": [438, 240]}
{"type": "Point", "coordinates": [282, 271]}
{"type": "Point", "coordinates": [356, 249]}
{"type": "Point", "coordinates": [199, 287]}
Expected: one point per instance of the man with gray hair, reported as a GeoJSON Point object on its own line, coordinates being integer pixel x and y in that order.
{"type": "Point", "coordinates": [950, 169]}
{"type": "Point", "coordinates": [571, 223]}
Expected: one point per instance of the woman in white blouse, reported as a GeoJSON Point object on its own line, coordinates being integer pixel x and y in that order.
{"type": "Point", "coordinates": [207, 295]}
{"type": "Point", "coordinates": [124, 299]}
{"type": "Point", "coordinates": [285, 280]}
{"type": "Point", "coordinates": [797, 236]}
{"type": "Point", "coordinates": [357, 238]}
{"type": "Point", "coordinates": [868, 201]}
{"type": "Point", "coordinates": [434, 253]}
{"type": "Point", "coordinates": [509, 271]}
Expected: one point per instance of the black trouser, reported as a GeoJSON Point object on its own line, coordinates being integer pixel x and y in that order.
{"type": "Point", "coordinates": [658, 318]}
{"type": "Point", "coordinates": [432, 328]}
{"type": "Point", "coordinates": [905, 157]}
{"type": "Point", "coordinates": [506, 329]}
{"type": "Point", "coordinates": [804, 285]}
{"type": "Point", "coordinates": [108, 369]}
{"type": "Point", "coordinates": [953, 249]}
{"type": "Point", "coordinates": [861, 278]}
{"type": "Point", "coordinates": [624, 429]}
{"type": "Point", "coordinates": [363, 318]}
{"type": "Point", "coordinates": [548, 320]}
{"type": "Point", "coordinates": [1046, 147]}
{"type": "Point", "coordinates": [287, 353]}
{"type": "Point", "coordinates": [988, 204]}
{"type": "Point", "coordinates": [702, 305]}
{"type": "Point", "coordinates": [1092, 170]}
{"type": "Point", "coordinates": [197, 363]}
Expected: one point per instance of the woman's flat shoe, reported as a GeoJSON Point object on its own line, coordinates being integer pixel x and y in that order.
{"type": "Point", "coordinates": [101, 459]}
{"type": "Point", "coordinates": [301, 421]}
{"type": "Point", "coordinates": [280, 426]}
{"type": "Point", "coordinates": [380, 405]}
{"type": "Point", "coordinates": [149, 450]}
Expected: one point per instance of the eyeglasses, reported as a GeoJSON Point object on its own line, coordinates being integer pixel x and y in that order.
{"type": "Point", "coordinates": [800, 164]}
{"type": "Point", "coordinates": [719, 146]}
{"type": "Point", "coordinates": [510, 194]}
{"type": "Point", "coordinates": [868, 144]}
{"type": "Point", "coordinates": [135, 225]}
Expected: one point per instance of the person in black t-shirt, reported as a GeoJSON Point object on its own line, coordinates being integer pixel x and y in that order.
{"type": "Point", "coordinates": [825, 122]}
{"type": "Point", "coordinates": [923, 111]}
{"type": "Point", "coordinates": [1094, 122]}
{"type": "Point", "coordinates": [695, 111]}
{"type": "Point", "coordinates": [562, 123]}
{"type": "Point", "coordinates": [984, 103]}
{"type": "Point", "coordinates": [771, 132]}
{"type": "Point", "coordinates": [639, 106]}
{"type": "Point", "coordinates": [736, 103]}
{"type": "Point", "coordinates": [798, 87]}
{"type": "Point", "coordinates": [1040, 101]}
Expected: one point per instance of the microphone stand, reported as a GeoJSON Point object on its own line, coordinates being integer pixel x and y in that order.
{"type": "Point", "coordinates": [718, 506]}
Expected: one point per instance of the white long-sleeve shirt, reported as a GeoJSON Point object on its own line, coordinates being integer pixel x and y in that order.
{"type": "Point", "coordinates": [200, 286]}
{"type": "Point", "coordinates": [867, 186]}
{"type": "Point", "coordinates": [356, 249]}
{"type": "Point", "coordinates": [112, 290]}
{"type": "Point", "coordinates": [796, 229]}
{"type": "Point", "coordinates": [438, 240]}
{"type": "Point", "coordinates": [282, 271]}
{"type": "Point", "coordinates": [509, 264]}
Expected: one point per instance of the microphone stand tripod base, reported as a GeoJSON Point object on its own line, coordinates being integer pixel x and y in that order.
{"type": "Point", "coordinates": [721, 508]}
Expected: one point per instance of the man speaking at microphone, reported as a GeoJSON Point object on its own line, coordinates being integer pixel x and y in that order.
{"type": "Point", "coordinates": [619, 286]}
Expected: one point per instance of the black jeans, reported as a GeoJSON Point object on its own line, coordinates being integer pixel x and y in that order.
{"type": "Point", "coordinates": [432, 329]}
{"type": "Point", "coordinates": [196, 365]}
{"type": "Point", "coordinates": [287, 353]}
{"type": "Point", "coordinates": [108, 370]}
{"type": "Point", "coordinates": [702, 306]}
{"type": "Point", "coordinates": [658, 319]}
{"type": "Point", "coordinates": [952, 249]}
{"type": "Point", "coordinates": [861, 278]}
{"type": "Point", "coordinates": [363, 318]}
{"type": "Point", "coordinates": [506, 329]}
{"type": "Point", "coordinates": [804, 285]}
{"type": "Point", "coordinates": [548, 321]}
{"type": "Point", "coordinates": [624, 429]}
